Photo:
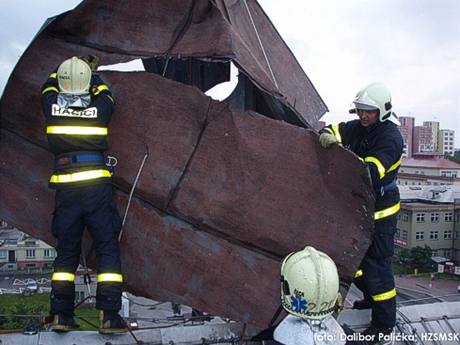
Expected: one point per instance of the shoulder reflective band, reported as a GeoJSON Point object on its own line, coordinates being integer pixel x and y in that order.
{"type": "Point", "coordinates": [394, 166]}
{"type": "Point", "coordinates": [335, 129]}
{"type": "Point", "coordinates": [53, 75]}
{"type": "Point", "coordinates": [358, 273]}
{"type": "Point", "coordinates": [80, 176]}
{"type": "Point", "coordinates": [109, 277]}
{"type": "Point", "coordinates": [384, 296]}
{"type": "Point", "coordinates": [62, 276]}
{"type": "Point", "coordinates": [111, 99]}
{"type": "Point", "coordinates": [77, 130]}
{"type": "Point", "coordinates": [51, 88]}
{"type": "Point", "coordinates": [100, 88]}
{"type": "Point", "coordinates": [387, 211]}
{"type": "Point", "coordinates": [378, 164]}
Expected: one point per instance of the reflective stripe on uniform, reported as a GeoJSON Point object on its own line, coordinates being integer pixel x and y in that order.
{"type": "Point", "coordinates": [53, 75]}
{"type": "Point", "coordinates": [80, 176]}
{"type": "Point", "coordinates": [378, 164]}
{"type": "Point", "coordinates": [76, 130]}
{"type": "Point", "coordinates": [100, 88]}
{"type": "Point", "coordinates": [358, 273]}
{"type": "Point", "coordinates": [335, 129]}
{"type": "Point", "coordinates": [50, 88]}
{"type": "Point", "coordinates": [387, 211]}
{"type": "Point", "coordinates": [63, 276]}
{"type": "Point", "coordinates": [384, 296]}
{"type": "Point", "coordinates": [109, 277]}
{"type": "Point", "coordinates": [394, 166]}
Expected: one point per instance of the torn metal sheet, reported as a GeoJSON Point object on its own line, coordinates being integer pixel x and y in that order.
{"type": "Point", "coordinates": [224, 194]}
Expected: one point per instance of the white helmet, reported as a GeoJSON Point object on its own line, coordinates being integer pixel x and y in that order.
{"type": "Point", "coordinates": [74, 76]}
{"type": "Point", "coordinates": [376, 96]}
{"type": "Point", "coordinates": [309, 284]}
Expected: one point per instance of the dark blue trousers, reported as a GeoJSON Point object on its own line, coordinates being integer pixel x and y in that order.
{"type": "Point", "coordinates": [91, 207]}
{"type": "Point", "coordinates": [377, 279]}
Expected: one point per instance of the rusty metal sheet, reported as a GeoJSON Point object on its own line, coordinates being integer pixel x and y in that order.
{"type": "Point", "coordinates": [224, 194]}
{"type": "Point", "coordinates": [229, 30]}
{"type": "Point", "coordinates": [256, 187]}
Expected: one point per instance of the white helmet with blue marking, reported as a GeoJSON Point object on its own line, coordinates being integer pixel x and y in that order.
{"type": "Point", "coordinates": [309, 284]}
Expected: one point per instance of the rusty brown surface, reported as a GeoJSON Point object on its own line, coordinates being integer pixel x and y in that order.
{"type": "Point", "coordinates": [224, 194]}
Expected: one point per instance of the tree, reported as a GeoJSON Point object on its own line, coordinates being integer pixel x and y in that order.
{"type": "Point", "coordinates": [403, 257]}
{"type": "Point", "coordinates": [420, 258]}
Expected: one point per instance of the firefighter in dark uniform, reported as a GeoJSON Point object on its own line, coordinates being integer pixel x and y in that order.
{"type": "Point", "coordinates": [375, 138]}
{"type": "Point", "coordinates": [78, 105]}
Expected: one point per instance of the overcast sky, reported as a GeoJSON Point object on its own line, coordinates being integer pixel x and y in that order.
{"type": "Point", "coordinates": [413, 46]}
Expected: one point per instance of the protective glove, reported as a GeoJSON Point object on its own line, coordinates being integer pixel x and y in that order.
{"type": "Point", "coordinates": [92, 61]}
{"type": "Point", "coordinates": [326, 140]}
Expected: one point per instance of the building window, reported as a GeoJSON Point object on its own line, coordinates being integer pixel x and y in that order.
{"type": "Point", "coordinates": [30, 243]}
{"type": "Point", "coordinates": [435, 217]}
{"type": "Point", "coordinates": [434, 252]}
{"type": "Point", "coordinates": [398, 232]}
{"type": "Point", "coordinates": [447, 253]}
{"type": "Point", "coordinates": [48, 253]}
{"type": "Point", "coordinates": [456, 235]}
{"type": "Point", "coordinates": [405, 217]}
{"type": "Point", "coordinates": [433, 235]}
{"type": "Point", "coordinates": [419, 235]}
{"type": "Point", "coordinates": [448, 234]}
{"type": "Point", "coordinates": [420, 217]}
{"type": "Point", "coordinates": [2, 254]}
{"type": "Point", "coordinates": [30, 253]}
{"type": "Point", "coordinates": [448, 217]}
{"type": "Point", "coordinates": [404, 235]}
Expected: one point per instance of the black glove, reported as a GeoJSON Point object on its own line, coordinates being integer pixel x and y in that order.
{"type": "Point", "coordinates": [92, 61]}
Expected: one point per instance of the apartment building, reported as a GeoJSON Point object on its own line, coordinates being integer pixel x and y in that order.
{"type": "Point", "coordinates": [446, 140]}
{"type": "Point", "coordinates": [407, 129]}
{"type": "Point", "coordinates": [434, 125]}
{"type": "Point", "coordinates": [422, 140]}
{"type": "Point", "coordinates": [19, 251]}
{"type": "Point", "coordinates": [430, 216]}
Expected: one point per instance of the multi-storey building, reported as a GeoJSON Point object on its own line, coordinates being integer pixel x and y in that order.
{"type": "Point", "coordinates": [422, 140]}
{"type": "Point", "coordinates": [407, 129]}
{"type": "Point", "coordinates": [434, 125]}
{"type": "Point", "coordinates": [446, 140]}
{"type": "Point", "coordinates": [19, 251]}
{"type": "Point", "coordinates": [430, 216]}
{"type": "Point", "coordinates": [430, 164]}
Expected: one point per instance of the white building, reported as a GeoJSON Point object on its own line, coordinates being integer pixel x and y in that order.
{"type": "Point", "coordinates": [446, 140]}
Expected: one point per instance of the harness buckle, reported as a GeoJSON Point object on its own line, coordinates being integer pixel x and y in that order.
{"type": "Point", "coordinates": [111, 162]}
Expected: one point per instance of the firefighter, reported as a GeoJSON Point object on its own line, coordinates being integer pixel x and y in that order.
{"type": "Point", "coordinates": [375, 138]}
{"type": "Point", "coordinates": [78, 105]}
{"type": "Point", "coordinates": [310, 294]}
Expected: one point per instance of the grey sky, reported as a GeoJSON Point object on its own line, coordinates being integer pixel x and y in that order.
{"type": "Point", "coordinates": [412, 46]}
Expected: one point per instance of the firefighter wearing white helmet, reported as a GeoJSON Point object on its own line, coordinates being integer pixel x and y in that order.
{"type": "Point", "coordinates": [310, 284]}
{"type": "Point", "coordinates": [78, 107]}
{"type": "Point", "coordinates": [375, 96]}
{"type": "Point", "coordinates": [74, 76]}
{"type": "Point", "coordinates": [375, 138]}
{"type": "Point", "coordinates": [310, 294]}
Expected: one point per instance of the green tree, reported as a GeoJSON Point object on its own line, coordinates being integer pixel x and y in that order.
{"type": "Point", "coordinates": [420, 258]}
{"type": "Point", "coordinates": [403, 257]}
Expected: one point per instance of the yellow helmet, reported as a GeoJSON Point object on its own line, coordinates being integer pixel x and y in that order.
{"type": "Point", "coordinates": [74, 76]}
{"type": "Point", "coordinates": [309, 284]}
